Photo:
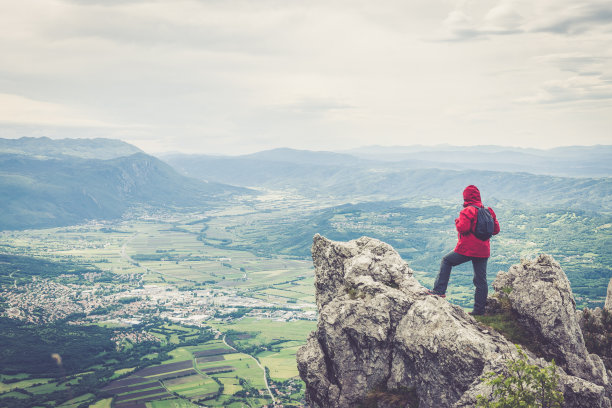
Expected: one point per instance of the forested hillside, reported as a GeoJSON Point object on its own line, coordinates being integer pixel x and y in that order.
{"type": "Point", "coordinates": [43, 192]}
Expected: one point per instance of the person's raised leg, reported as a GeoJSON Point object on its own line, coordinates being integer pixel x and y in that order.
{"type": "Point", "coordinates": [480, 282]}
{"type": "Point", "coordinates": [451, 259]}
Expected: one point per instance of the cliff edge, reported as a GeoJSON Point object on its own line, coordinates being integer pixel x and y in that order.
{"type": "Point", "coordinates": [379, 334]}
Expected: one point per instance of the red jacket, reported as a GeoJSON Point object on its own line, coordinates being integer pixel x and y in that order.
{"type": "Point", "coordinates": [468, 244]}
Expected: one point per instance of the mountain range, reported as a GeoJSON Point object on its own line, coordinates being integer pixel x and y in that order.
{"type": "Point", "coordinates": [47, 182]}
{"type": "Point", "coordinates": [569, 161]}
{"type": "Point", "coordinates": [60, 184]}
{"type": "Point", "coordinates": [347, 177]}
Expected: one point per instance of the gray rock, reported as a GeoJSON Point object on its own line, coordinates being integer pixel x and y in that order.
{"type": "Point", "coordinates": [594, 325]}
{"type": "Point", "coordinates": [541, 298]}
{"type": "Point", "coordinates": [379, 330]}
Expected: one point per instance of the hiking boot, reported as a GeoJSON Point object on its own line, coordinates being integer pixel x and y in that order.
{"type": "Point", "coordinates": [431, 292]}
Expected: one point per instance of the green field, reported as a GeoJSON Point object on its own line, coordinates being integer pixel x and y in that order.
{"type": "Point", "coordinates": [172, 403]}
{"type": "Point", "coordinates": [269, 330]}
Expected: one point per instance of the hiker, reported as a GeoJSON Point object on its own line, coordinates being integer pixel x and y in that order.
{"type": "Point", "coordinates": [470, 248]}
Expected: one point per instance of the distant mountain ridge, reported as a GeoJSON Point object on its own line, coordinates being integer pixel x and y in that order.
{"type": "Point", "coordinates": [64, 189]}
{"type": "Point", "coordinates": [327, 174]}
{"type": "Point", "coordinates": [306, 157]}
{"type": "Point", "coordinates": [568, 161]}
{"type": "Point", "coordinates": [46, 182]}
{"type": "Point", "coordinates": [98, 148]}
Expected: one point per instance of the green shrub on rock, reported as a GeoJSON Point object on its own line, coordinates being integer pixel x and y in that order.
{"type": "Point", "coordinates": [523, 385]}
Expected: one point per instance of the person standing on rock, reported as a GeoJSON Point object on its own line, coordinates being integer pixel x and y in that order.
{"type": "Point", "coordinates": [470, 248]}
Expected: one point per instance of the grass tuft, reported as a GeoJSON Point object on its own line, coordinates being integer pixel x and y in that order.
{"type": "Point", "coordinates": [508, 326]}
{"type": "Point", "coordinates": [503, 320]}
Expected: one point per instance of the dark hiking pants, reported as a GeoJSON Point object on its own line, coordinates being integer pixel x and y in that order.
{"type": "Point", "coordinates": [480, 277]}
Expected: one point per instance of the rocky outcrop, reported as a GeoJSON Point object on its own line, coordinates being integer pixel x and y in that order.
{"type": "Point", "coordinates": [541, 299]}
{"type": "Point", "coordinates": [596, 325]}
{"type": "Point", "coordinates": [378, 330]}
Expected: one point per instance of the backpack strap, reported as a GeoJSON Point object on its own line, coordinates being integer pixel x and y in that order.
{"type": "Point", "coordinates": [473, 226]}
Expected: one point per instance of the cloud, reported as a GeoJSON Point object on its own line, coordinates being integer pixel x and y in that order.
{"type": "Point", "coordinates": [575, 19]}
{"type": "Point", "coordinates": [203, 26]}
{"type": "Point", "coordinates": [563, 17]}
{"type": "Point", "coordinates": [589, 82]}
{"type": "Point", "coordinates": [224, 76]}
{"type": "Point", "coordinates": [503, 19]}
{"type": "Point", "coordinates": [17, 109]}
{"type": "Point", "coordinates": [315, 106]}
{"type": "Point", "coordinates": [464, 23]}
{"type": "Point", "coordinates": [578, 62]}
{"type": "Point", "coordinates": [106, 3]}
{"type": "Point", "coordinates": [460, 26]}
{"type": "Point", "coordinates": [573, 89]}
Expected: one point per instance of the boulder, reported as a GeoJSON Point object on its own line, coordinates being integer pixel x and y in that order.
{"type": "Point", "coordinates": [541, 299]}
{"type": "Point", "coordinates": [596, 325]}
{"type": "Point", "coordinates": [380, 333]}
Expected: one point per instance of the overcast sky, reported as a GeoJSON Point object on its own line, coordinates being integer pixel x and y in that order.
{"type": "Point", "coordinates": [240, 76]}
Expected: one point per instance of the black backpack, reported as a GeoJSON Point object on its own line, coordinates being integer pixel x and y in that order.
{"type": "Point", "coordinates": [483, 230]}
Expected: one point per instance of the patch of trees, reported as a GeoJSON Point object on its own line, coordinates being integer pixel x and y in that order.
{"type": "Point", "coordinates": [150, 257]}
{"type": "Point", "coordinates": [130, 299]}
{"type": "Point", "coordinates": [27, 348]}
{"type": "Point", "coordinates": [292, 281]}
{"type": "Point", "coordinates": [105, 277]}
{"type": "Point", "coordinates": [247, 389]}
{"type": "Point", "coordinates": [103, 310]}
{"type": "Point", "coordinates": [219, 390]}
{"type": "Point", "coordinates": [107, 230]}
{"type": "Point", "coordinates": [233, 337]}
{"type": "Point", "coordinates": [240, 312]}
{"type": "Point", "coordinates": [16, 267]}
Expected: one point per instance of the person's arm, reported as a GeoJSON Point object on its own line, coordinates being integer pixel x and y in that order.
{"type": "Point", "coordinates": [496, 227]}
{"type": "Point", "coordinates": [464, 222]}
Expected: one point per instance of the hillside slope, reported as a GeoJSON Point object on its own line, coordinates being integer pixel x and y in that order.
{"type": "Point", "coordinates": [45, 192]}
{"type": "Point", "coordinates": [323, 174]}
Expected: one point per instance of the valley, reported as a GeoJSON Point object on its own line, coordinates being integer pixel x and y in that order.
{"type": "Point", "coordinates": [166, 286]}
{"type": "Point", "coordinates": [151, 283]}
{"type": "Point", "coordinates": [130, 285]}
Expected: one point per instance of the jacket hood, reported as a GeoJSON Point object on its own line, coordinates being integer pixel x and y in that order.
{"type": "Point", "coordinates": [471, 196]}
